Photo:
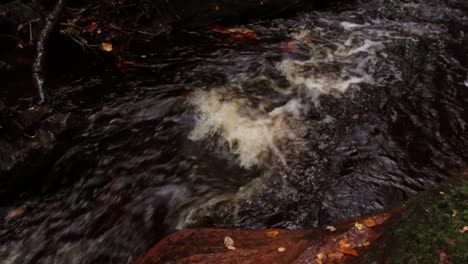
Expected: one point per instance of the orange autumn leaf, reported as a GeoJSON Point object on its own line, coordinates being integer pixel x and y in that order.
{"type": "Point", "coordinates": [272, 233]}
{"type": "Point", "coordinates": [370, 223]}
{"type": "Point", "coordinates": [349, 251]}
{"type": "Point", "coordinates": [106, 46]}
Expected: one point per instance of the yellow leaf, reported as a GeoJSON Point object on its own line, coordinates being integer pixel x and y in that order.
{"type": "Point", "coordinates": [281, 249]}
{"type": "Point", "coordinates": [106, 46]}
{"type": "Point", "coordinates": [465, 229]}
{"type": "Point", "coordinates": [367, 243]}
{"type": "Point", "coordinates": [320, 257]}
{"type": "Point", "coordinates": [272, 233]}
{"type": "Point", "coordinates": [359, 226]}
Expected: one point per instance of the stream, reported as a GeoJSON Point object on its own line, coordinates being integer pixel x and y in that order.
{"type": "Point", "coordinates": [289, 122]}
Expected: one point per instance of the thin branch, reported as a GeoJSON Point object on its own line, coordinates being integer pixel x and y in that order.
{"type": "Point", "coordinates": [38, 67]}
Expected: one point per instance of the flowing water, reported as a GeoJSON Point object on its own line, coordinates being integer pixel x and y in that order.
{"type": "Point", "coordinates": [292, 123]}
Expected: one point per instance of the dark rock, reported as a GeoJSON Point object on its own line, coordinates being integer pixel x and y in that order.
{"type": "Point", "coordinates": [28, 144]}
{"type": "Point", "coordinates": [196, 13]}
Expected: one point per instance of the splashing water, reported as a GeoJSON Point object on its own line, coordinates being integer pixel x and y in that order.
{"type": "Point", "coordinates": [251, 133]}
{"type": "Point", "coordinates": [326, 115]}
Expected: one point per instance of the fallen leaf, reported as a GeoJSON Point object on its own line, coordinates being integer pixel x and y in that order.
{"type": "Point", "coordinates": [335, 255]}
{"type": "Point", "coordinates": [106, 46]}
{"type": "Point", "coordinates": [92, 27]}
{"type": "Point", "coordinates": [442, 193]}
{"type": "Point", "coordinates": [355, 117]}
{"type": "Point", "coordinates": [367, 243]}
{"type": "Point", "coordinates": [272, 233]}
{"type": "Point", "coordinates": [465, 229]}
{"type": "Point", "coordinates": [454, 213]}
{"type": "Point", "coordinates": [370, 223]}
{"type": "Point", "coordinates": [349, 251]}
{"type": "Point", "coordinates": [19, 212]}
{"type": "Point", "coordinates": [281, 249]}
{"type": "Point", "coordinates": [320, 257]}
{"type": "Point", "coordinates": [121, 64]}
{"type": "Point", "coordinates": [359, 226]}
{"type": "Point", "coordinates": [343, 243]}
{"type": "Point", "coordinates": [331, 228]}
{"type": "Point", "coordinates": [229, 243]}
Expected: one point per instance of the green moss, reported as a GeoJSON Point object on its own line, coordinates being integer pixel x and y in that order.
{"type": "Point", "coordinates": [428, 228]}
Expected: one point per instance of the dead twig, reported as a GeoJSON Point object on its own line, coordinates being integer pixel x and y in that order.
{"type": "Point", "coordinates": [38, 68]}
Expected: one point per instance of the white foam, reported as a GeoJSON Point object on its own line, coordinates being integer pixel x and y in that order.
{"type": "Point", "coordinates": [255, 134]}
{"type": "Point", "coordinates": [351, 26]}
{"type": "Point", "coordinates": [367, 46]}
{"type": "Point", "coordinates": [250, 133]}
{"type": "Point", "coordinates": [353, 58]}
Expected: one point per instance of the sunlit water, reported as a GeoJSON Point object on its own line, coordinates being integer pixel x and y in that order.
{"type": "Point", "coordinates": [326, 115]}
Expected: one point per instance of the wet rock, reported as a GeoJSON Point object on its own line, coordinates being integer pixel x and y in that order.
{"type": "Point", "coordinates": [271, 246]}
{"type": "Point", "coordinates": [27, 146]}
{"type": "Point", "coordinates": [193, 13]}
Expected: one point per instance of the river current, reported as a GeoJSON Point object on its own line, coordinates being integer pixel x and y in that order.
{"type": "Point", "coordinates": [288, 123]}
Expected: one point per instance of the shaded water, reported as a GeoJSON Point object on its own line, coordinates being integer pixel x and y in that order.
{"type": "Point", "coordinates": [329, 114]}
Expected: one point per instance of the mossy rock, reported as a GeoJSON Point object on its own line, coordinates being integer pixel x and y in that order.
{"type": "Point", "coordinates": [429, 231]}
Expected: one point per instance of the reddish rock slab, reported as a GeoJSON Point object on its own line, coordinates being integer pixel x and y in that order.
{"type": "Point", "coordinates": [206, 245]}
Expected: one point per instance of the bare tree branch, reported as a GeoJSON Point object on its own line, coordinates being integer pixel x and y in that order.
{"type": "Point", "coordinates": [38, 68]}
